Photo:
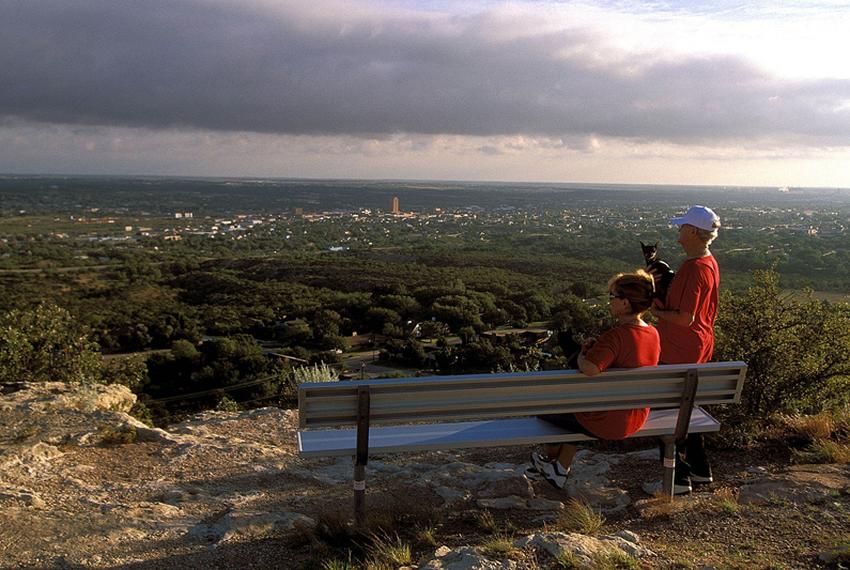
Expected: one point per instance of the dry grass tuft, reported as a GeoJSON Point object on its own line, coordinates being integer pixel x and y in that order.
{"type": "Point", "coordinates": [337, 564]}
{"type": "Point", "coordinates": [487, 522]}
{"type": "Point", "coordinates": [820, 426]}
{"type": "Point", "coordinates": [566, 561]}
{"type": "Point", "coordinates": [613, 559]}
{"type": "Point", "coordinates": [427, 536]}
{"type": "Point", "coordinates": [726, 501]}
{"type": "Point", "coordinates": [661, 506]}
{"type": "Point", "coordinates": [498, 547]}
{"type": "Point", "coordinates": [580, 517]}
{"type": "Point", "coordinates": [387, 550]}
{"type": "Point", "coordinates": [825, 451]}
{"type": "Point", "coordinates": [333, 528]}
{"type": "Point", "coordinates": [839, 555]}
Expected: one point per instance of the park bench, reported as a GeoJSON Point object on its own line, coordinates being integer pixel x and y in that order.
{"type": "Point", "coordinates": [373, 417]}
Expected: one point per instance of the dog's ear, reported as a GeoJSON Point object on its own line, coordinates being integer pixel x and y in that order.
{"type": "Point", "coordinates": [656, 244]}
{"type": "Point", "coordinates": [642, 244]}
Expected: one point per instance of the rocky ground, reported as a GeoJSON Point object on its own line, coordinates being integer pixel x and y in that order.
{"type": "Point", "coordinates": [82, 484]}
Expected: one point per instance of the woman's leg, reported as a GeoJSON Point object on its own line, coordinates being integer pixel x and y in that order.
{"type": "Point", "coordinates": [565, 456]}
{"type": "Point", "coordinates": [564, 453]}
{"type": "Point", "coordinates": [552, 450]}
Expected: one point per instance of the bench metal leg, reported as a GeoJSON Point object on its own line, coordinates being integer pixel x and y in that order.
{"type": "Point", "coordinates": [669, 465]}
{"type": "Point", "coordinates": [359, 494]}
{"type": "Point", "coordinates": [362, 456]}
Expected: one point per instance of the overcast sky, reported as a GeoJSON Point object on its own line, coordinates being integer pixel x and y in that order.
{"type": "Point", "coordinates": [680, 92]}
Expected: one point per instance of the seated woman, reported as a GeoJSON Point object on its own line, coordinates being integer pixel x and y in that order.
{"type": "Point", "coordinates": [630, 344]}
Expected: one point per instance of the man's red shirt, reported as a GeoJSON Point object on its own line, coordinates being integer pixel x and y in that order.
{"type": "Point", "coordinates": [694, 290]}
{"type": "Point", "coordinates": [626, 346]}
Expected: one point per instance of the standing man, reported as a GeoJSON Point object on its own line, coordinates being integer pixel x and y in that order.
{"type": "Point", "coordinates": [686, 322]}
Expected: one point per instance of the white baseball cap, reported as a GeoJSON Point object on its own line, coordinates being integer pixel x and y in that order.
{"type": "Point", "coordinates": [698, 216]}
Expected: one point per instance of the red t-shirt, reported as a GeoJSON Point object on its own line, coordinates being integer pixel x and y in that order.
{"type": "Point", "coordinates": [626, 346]}
{"type": "Point", "coordinates": [694, 290]}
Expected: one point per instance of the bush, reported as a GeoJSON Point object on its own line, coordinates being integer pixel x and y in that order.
{"type": "Point", "coordinates": [797, 348]}
{"type": "Point", "coordinates": [316, 373]}
{"type": "Point", "coordinates": [46, 344]}
{"type": "Point", "coordinates": [120, 435]}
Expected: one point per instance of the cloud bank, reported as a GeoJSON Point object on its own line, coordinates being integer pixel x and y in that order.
{"type": "Point", "coordinates": [372, 70]}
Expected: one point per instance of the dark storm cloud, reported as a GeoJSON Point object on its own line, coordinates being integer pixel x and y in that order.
{"type": "Point", "coordinates": [279, 69]}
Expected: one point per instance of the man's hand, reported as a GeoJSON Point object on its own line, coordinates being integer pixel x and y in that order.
{"type": "Point", "coordinates": [655, 275]}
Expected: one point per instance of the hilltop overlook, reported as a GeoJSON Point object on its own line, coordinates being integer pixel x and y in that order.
{"type": "Point", "coordinates": [82, 484]}
{"type": "Point", "coordinates": [107, 331]}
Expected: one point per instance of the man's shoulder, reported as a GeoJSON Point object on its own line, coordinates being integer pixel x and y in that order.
{"type": "Point", "coordinates": [705, 266]}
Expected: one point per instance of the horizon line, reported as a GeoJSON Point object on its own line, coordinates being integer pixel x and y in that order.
{"type": "Point", "coordinates": [6, 175]}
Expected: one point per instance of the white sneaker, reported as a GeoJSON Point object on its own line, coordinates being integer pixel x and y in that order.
{"type": "Point", "coordinates": [552, 470]}
{"type": "Point", "coordinates": [532, 473]}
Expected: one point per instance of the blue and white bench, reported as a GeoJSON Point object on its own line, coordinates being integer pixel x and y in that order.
{"type": "Point", "coordinates": [373, 417]}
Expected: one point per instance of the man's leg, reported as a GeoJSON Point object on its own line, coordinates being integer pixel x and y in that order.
{"type": "Point", "coordinates": [700, 467]}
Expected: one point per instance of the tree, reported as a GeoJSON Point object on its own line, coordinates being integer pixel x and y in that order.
{"type": "Point", "coordinates": [797, 348]}
{"type": "Point", "coordinates": [46, 344]}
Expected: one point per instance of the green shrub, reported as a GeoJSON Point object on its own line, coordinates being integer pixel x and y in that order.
{"type": "Point", "coordinates": [227, 404]}
{"type": "Point", "coordinates": [120, 435]}
{"type": "Point", "coordinates": [46, 344]}
{"type": "Point", "coordinates": [316, 373]}
{"type": "Point", "coordinates": [797, 348]}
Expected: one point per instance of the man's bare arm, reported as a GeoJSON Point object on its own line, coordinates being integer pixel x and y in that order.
{"type": "Point", "coordinates": [674, 316]}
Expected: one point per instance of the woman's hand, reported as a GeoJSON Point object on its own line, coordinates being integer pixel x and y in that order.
{"type": "Point", "coordinates": [587, 344]}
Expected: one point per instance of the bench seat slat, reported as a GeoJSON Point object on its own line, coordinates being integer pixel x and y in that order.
{"type": "Point", "coordinates": [423, 406]}
{"type": "Point", "coordinates": [490, 433]}
{"type": "Point", "coordinates": [707, 370]}
{"type": "Point", "coordinates": [418, 391]}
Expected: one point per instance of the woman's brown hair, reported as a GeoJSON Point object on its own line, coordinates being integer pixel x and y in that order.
{"type": "Point", "coordinates": [638, 288]}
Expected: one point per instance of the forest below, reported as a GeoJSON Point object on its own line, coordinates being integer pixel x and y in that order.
{"type": "Point", "coordinates": [192, 316]}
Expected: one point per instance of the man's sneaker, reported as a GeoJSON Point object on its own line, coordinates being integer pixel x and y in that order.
{"type": "Point", "coordinates": [701, 479]}
{"type": "Point", "coordinates": [681, 485]}
{"type": "Point", "coordinates": [553, 471]}
{"type": "Point", "coordinates": [700, 471]}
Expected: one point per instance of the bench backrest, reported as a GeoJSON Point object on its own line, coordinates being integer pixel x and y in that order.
{"type": "Point", "coordinates": [477, 396]}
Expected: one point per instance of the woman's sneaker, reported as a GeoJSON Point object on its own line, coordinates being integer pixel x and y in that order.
{"type": "Point", "coordinates": [532, 473]}
{"type": "Point", "coordinates": [551, 470]}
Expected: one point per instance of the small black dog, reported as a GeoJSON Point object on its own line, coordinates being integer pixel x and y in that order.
{"type": "Point", "coordinates": [650, 254]}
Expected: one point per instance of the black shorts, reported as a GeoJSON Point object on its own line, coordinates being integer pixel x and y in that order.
{"type": "Point", "coordinates": [568, 422]}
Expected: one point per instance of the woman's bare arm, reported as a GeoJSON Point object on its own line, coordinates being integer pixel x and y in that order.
{"type": "Point", "coordinates": [586, 367]}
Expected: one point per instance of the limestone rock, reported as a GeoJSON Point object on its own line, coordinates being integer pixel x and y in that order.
{"type": "Point", "coordinates": [589, 482]}
{"type": "Point", "coordinates": [628, 543]}
{"type": "Point", "coordinates": [800, 483]}
{"type": "Point", "coordinates": [28, 457]}
{"type": "Point", "coordinates": [503, 503]}
{"type": "Point", "coordinates": [835, 555]}
{"type": "Point", "coordinates": [246, 525]}
{"type": "Point", "coordinates": [52, 396]}
{"type": "Point", "coordinates": [463, 558]}
{"type": "Point", "coordinates": [22, 496]}
{"type": "Point", "coordinates": [585, 550]}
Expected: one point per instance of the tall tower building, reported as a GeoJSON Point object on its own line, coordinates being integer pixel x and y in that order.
{"type": "Point", "coordinates": [395, 206]}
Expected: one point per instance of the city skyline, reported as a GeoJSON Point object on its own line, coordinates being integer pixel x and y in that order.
{"type": "Point", "coordinates": [718, 93]}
